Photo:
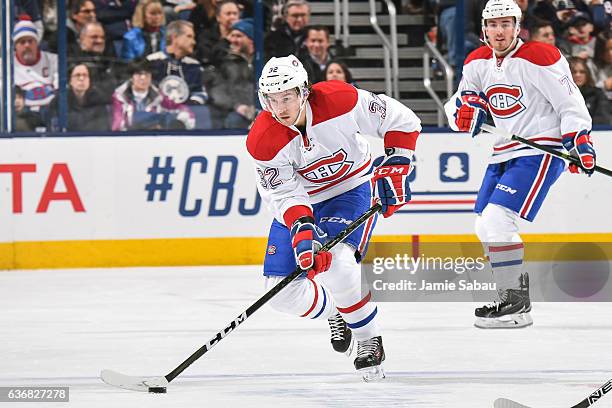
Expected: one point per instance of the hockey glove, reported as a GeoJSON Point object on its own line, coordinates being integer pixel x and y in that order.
{"type": "Point", "coordinates": [471, 111]}
{"type": "Point", "coordinates": [307, 239]}
{"type": "Point", "coordinates": [580, 145]}
{"type": "Point", "coordinates": [391, 179]}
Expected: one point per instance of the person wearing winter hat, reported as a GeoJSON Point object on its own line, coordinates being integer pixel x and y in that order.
{"type": "Point", "coordinates": [241, 38]}
{"type": "Point", "coordinates": [35, 70]}
{"type": "Point", "coordinates": [231, 88]}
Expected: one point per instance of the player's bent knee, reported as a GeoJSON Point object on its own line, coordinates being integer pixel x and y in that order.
{"type": "Point", "coordinates": [294, 298]}
{"type": "Point", "coordinates": [498, 224]}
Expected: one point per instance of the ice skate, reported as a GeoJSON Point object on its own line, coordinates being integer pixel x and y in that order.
{"type": "Point", "coordinates": [510, 312]}
{"type": "Point", "coordinates": [341, 336]}
{"type": "Point", "coordinates": [370, 355]}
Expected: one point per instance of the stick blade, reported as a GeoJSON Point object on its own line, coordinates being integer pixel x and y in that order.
{"type": "Point", "coordinates": [128, 382]}
{"type": "Point", "coordinates": [506, 403]}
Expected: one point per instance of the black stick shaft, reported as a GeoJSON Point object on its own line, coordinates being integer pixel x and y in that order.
{"type": "Point", "coordinates": [596, 395]}
{"type": "Point", "coordinates": [267, 296]}
{"type": "Point", "coordinates": [547, 149]}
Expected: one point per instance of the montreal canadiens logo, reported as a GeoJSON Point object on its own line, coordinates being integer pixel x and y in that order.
{"type": "Point", "coordinates": [505, 100]}
{"type": "Point", "coordinates": [327, 169]}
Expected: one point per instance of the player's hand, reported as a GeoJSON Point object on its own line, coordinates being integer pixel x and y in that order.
{"type": "Point", "coordinates": [391, 180]}
{"type": "Point", "coordinates": [307, 240]}
{"type": "Point", "coordinates": [580, 145]}
{"type": "Point", "coordinates": [471, 111]}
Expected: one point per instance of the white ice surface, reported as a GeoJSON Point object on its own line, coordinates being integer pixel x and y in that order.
{"type": "Point", "coordinates": [63, 327]}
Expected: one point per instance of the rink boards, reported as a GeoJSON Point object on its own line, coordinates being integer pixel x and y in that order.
{"type": "Point", "coordinates": [72, 202]}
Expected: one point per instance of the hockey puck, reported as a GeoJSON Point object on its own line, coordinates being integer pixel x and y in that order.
{"type": "Point", "coordinates": [157, 390]}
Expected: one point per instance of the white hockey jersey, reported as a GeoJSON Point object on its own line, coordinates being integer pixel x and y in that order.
{"type": "Point", "coordinates": [531, 94]}
{"type": "Point", "coordinates": [39, 81]}
{"type": "Point", "coordinates": [332, 157]}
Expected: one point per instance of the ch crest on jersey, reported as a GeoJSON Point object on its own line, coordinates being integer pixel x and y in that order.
{"type": "Point", "coordinates": [328, 168]}
{"type": "Point", "coordinates": [505, 100]}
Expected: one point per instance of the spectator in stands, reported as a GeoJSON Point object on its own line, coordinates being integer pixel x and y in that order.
{"type": "Point", "coordinates": [601, 10]}
{"type": "Point", "coordinates": [288, 37]}
{"type": "Point", "coordinates": [116, 17]}
{"type": "Point", "coordinates": [232, 86]}
{"type": "Point", "coordinates": [578, 40]}
{"type": "Point", "coordinates": [35, 70]}
{"type": "Point", "coordinates": [337, 70]}
{"type": "Point", "coordinates": [446, 10]}
{"type": "Point", "coordinates": [601, 65]}
{"type": "Point", "coordinates": [148, 34]}
{"type": "Point", "coordinates": [178, 9]}
{"type": "Point", "coordinates": [596, 101]}
{"type": "Point", "coordinates": [212, 44]}
{"type": "Point", "coordinates": [48, 12]}
{"type": "Point", "coordinates": [203, 15]}
{"type": "Point", "coordinates": [558, 12]}
{"type": "Point", "coordinates": [31, 9]}
{"type": "Point", "coordinates": [177, 74]}
{"type": "Point", "coordinates": [93, 50]}
{"type": "Point", "coordinates": [316, 53]}
{"type": "Point", "coordinates": [81, 12]}
{"type": "Point", "coordinates": [138, 104]}
{"type": "Point", "coordinates": [542, 31]}
{"type": "Point", "coordinates": [87, 106]}
{"type": "Point", "coordinates": [25, 119]}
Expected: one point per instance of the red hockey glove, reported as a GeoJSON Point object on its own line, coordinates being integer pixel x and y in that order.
{"type": "Point", "coordinates": [391, 180]}
{"type": "Point", "coordinates": [307, 239]}
{"type": "Point", "coordinates": [580, 145]}
{"type": "Point", "coordinates": [471, 111]}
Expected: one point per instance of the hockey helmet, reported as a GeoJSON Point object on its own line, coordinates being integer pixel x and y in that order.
{"type": "Point", "coordinates": [498, 9]}
{"type": "Point", "coordinates": [282, 74]}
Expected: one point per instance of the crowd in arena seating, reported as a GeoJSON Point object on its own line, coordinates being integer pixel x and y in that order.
{"type": "Point", "coordinates": [185, 64]}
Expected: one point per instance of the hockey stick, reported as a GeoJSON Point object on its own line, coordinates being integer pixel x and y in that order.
{"type": "Point", "coordinates": [159, 384]}
{"type": "Point", "coordinates": [587, 402]}
{"type": "Point", "coordinates": [547, 149]}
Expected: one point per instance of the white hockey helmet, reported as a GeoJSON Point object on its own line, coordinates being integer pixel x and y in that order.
{"type": "Point", "coordinates": [282, 74]}
{"type": "Point", "coordinates": [501, 8]}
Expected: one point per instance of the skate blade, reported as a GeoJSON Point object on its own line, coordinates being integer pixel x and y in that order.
{"type": "Point", "coordinates": [372, 374]}
{"type": "Point", "coordinates": [513, 321]}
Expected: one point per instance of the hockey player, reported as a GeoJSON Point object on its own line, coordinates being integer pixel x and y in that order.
{"type": "Point", "coordinates": [529, 91]}
{"type": "Point", "coordinates": [315, 175]}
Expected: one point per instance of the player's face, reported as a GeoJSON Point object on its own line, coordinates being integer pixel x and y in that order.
{"type": "Point", "coordinates": [500, 32]}
{"type": "Point", "coordinates": [285, 105]}
{"type": "Point", "coordinates": [334, 71]}
{"type": "Point", "coordinates": [26, 49]}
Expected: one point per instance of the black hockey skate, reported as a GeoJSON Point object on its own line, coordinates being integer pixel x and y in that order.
{"type": "Point", "coordinates": [510, 312]}
{"type": "Point", "coordinates": [370, 355]}
{"type": "Point", "coordinates": [341, 335]}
